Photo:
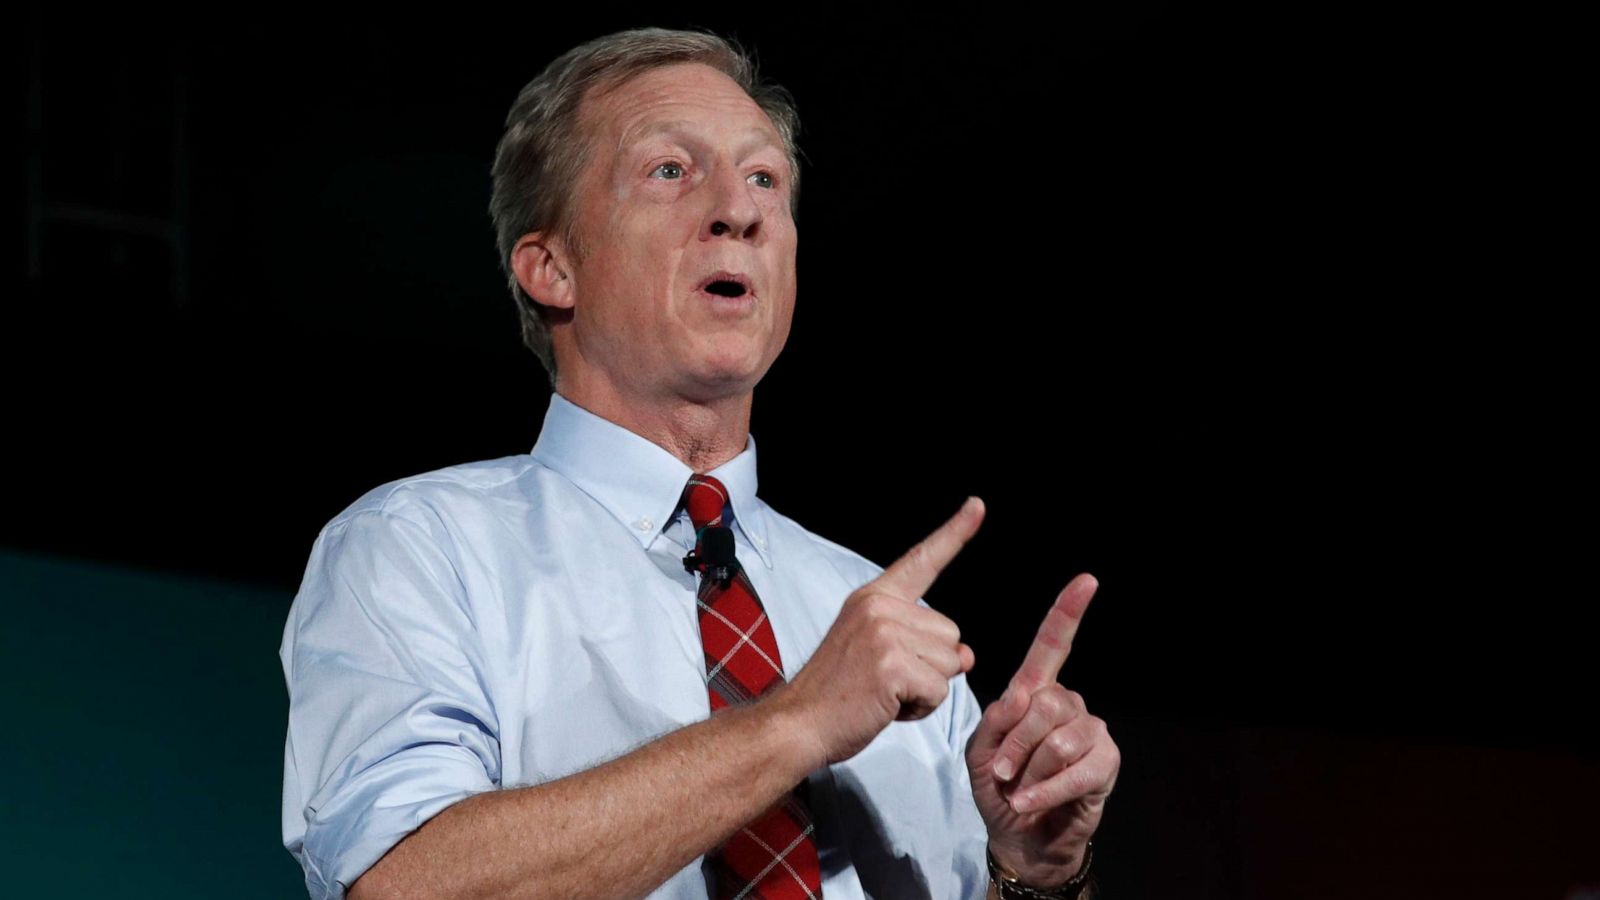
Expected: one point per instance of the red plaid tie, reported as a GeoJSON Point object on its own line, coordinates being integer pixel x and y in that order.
{"type": "Point", "coordinates": [774, 856]}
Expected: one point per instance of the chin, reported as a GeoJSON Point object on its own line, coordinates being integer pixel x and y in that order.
{"type": "Point", "coordinates": [717, 382]}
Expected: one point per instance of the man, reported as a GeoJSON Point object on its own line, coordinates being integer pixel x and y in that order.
{"type": "Point", "coordinates": [499, 672]}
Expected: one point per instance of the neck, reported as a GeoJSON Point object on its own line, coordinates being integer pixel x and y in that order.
{"type": "Point", "coordinates": [703, 434]}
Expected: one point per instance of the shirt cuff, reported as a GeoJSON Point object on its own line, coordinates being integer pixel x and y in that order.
{"type": "Point", "coordinates": [371, 812]}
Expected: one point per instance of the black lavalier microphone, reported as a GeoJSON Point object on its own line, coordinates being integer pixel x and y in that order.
{"type": "Point", "coordinates": [716, 554]}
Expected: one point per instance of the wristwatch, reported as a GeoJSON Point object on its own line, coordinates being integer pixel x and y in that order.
{"type": "Point", "coordinates": [1008, 886]}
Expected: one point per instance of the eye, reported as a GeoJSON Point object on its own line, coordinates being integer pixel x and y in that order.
{"type": "Point", "coordinates": [669, 165]}
{"type": "Point", "coordinates": [771, 181]}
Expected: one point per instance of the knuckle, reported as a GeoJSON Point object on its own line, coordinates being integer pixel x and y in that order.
{"type": "Point", "coordinates": [917, 556]}
{"type": "Point", "coordinates": [1055, 628]}
{"type": "Point", "coordinates": [890, 635]}
{"type": "Point", "coordinates": [1060, 743]}
{"type": "Point", "coordinates": [1074, 700]}
{"type": "Point", "coordinates": [1049, 703]}
{"type": "Point", "coordinates": [885, 671]}
{"type": "Point", "coordinates": [1076, 782]}
{"type": "Point", "coordinates": [875, 608]}
{"type": "Point", "coordinates": [887, 668]}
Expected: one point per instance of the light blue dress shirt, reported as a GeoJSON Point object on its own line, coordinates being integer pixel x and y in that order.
{"type": "Point", "coordinates": [507, 622]}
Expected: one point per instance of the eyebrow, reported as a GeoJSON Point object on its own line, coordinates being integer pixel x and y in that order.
{"type": "Point", "coordinates": [755, 136]}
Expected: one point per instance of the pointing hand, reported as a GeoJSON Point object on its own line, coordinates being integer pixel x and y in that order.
{"type": "Point", "coordinates": [886, 657]}
{"type": "Point", "coordinates": [1041, 765]}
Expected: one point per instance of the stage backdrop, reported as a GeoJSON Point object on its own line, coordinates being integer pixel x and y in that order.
{"type": "Point", "coordinates": [143, 746]}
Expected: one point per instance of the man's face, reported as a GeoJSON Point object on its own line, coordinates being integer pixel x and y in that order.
{"type": "Point", "coordinates": [687, 179]}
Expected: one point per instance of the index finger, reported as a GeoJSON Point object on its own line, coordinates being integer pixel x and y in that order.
{"type": "Point", "coordinates": [1054, 641]}
{"type": "Point", "coordinates": [911, 575]}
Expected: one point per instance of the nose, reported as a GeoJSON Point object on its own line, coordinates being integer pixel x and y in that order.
{"type": "Point", "coordinates": [733, 210]}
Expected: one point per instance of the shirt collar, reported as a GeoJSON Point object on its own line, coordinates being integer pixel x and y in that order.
{"type": "Point", "coordinates": [636, 480]}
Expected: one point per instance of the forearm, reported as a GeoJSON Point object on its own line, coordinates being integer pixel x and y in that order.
{"type": "Point", "coordinates": [620, 829]}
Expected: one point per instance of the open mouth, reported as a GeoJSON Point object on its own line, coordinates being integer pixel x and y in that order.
{"type": "Point", "coordinates": [725, 288]}
{"type": "Point", "coordinates": [732, 285]}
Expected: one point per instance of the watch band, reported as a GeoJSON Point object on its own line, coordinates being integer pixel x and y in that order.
{"type": "Point", "coordinates": [1009, 887]}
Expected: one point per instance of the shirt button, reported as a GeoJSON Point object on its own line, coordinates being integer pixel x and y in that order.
{"type": "Point", "coordinates": [643, 524]}
{"type": "Point", "coordinates": [761, 542]}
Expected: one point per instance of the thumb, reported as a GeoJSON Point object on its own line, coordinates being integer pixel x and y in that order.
{"type": "Point", "coordinates": [997, 722]}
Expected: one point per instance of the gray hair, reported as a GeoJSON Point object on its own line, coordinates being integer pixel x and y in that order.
{"type": "Point", "coordinates": [540, 157]}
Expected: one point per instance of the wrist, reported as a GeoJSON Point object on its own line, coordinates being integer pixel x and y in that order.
{"type": "Point", "coordinates": [789, 720]}
{"type": "Point", "coordinates": [1036, 872]}
{"type": "Point", "coordinates": [1066, 881]}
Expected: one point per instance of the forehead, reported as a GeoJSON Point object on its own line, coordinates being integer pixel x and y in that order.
{"type": "Point", "coordinates": [680, 97]}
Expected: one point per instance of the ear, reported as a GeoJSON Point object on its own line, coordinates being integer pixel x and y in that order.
{"type": "Point", "coordinates": [540, 263]}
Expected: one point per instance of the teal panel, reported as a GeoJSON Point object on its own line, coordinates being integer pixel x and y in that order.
{"type": "Point", "coordinates": [142, 750]}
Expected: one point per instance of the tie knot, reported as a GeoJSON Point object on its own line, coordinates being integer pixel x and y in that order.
{"type": "Point", "coordinates": [705, 498]}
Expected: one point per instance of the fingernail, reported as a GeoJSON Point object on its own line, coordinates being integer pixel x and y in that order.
{"type": "Point", "coordinates": [1002, 770]}
{"type": "Point", "coordinates": [1022, 802]}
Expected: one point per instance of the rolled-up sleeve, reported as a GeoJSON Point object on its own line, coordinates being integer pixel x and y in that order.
{"type": "Point", "coordinates": [390, 713]}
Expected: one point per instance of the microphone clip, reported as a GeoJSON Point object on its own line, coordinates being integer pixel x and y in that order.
{"type": "Point", "coordinates": [716, 557]}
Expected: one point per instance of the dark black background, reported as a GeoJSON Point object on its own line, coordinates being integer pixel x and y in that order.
{"type": "Point", "coordinates": [1230, 311]}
